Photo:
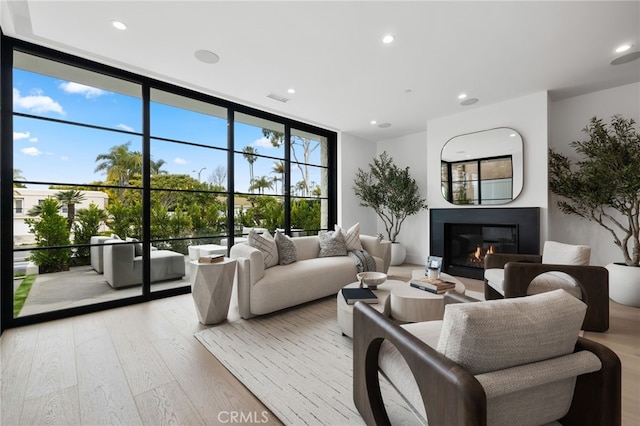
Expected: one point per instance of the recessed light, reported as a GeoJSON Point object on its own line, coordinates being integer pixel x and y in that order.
{"type": "Point", "coordinates": [623, 48]}
{"type": "Point", "coordinates": [407, 91]}
{"type": "Point", "coordinates": [384, 125]}
{"type": "Point", "coordinates": [626, 58]}
{"type": "Point", "coordinates": [388, 38]}
{"type": "Point", "coordinates": [462, 95]}
{"type": "Point", "coordinates": [119, 25]}
{"type": "Point", "coordinates": [374, 122]}
{"type": "Point", "coordinates": [513, 135]}
{"type": "Point", "coordinates": [206, 56]}
{"type": "Point", "coordinates": [292, 90]}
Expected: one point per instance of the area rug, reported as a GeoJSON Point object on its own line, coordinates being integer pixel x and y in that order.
{"type": "Point", "coordinates": [298, 363]}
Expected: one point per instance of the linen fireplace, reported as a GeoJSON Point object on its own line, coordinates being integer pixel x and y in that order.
{"type": "Point", "coordinates": [463, 236]}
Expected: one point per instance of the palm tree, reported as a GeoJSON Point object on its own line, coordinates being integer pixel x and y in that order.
{"type": "Point", "coordinates": [261, 184]}
{"type": "Point", "coordinates": [17, 175]}
{"type": "Point", "coordinates": [156, 166]}
{"type": "Point", "coordinates": [249, 154]}
{"type": "Point", "coordinates": [70, 197]}
{"type": "Point", "coordinates": [278, 170]}
{"type": "Point", "coordinates": [120, 164]}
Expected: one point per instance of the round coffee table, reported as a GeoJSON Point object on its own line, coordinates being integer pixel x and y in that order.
{"type": "Point", "coordinates": [409, 304]}
{"type": "Point", "coordinates": [345, 311]}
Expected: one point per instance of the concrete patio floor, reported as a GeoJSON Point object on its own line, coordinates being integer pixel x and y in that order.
{"type": "Point", "coordinates": [81, 286]}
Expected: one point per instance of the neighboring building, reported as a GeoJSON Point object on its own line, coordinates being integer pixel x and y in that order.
{"type": "Point", "coordinates": [24, 199]}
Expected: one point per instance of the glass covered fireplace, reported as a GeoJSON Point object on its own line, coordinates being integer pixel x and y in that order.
{"type": "Point", "coordinates": [463, 236]}
{"type": "Point", "coordinates": [467, 244]}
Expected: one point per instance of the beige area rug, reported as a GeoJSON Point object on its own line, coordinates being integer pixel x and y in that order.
{"type": "Point", "coordinates": [298, 363]}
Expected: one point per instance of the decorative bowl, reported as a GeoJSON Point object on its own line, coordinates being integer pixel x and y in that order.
{"type": "Point", "coordinates": [371, 279]}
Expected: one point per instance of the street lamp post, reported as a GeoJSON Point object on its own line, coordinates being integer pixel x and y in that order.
{"type": "Point", "coordinates": [194, 171]}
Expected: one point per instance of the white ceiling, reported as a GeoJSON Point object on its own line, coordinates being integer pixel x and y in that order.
{"type": "Point", "coordinates": [332, 54]}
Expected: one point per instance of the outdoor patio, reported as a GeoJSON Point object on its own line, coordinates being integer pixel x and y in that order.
{"type": "Point", "coordinates": [80, 286]}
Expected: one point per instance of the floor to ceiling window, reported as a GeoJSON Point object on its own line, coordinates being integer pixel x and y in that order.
{"type": "Point", "coordinates": [116, 178]}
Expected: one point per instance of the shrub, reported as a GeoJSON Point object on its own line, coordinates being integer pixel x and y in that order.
{"type": "Point", "coordinates": [50, 230]}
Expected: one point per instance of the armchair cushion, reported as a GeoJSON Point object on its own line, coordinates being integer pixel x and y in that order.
{"type": "Point", "coordinates": [484, 337]}
{"type": "Point", "coordinates": [565, 254]}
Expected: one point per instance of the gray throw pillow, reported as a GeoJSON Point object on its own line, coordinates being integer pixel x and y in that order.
{"type": "Point", "coordinates": [267, 245]}
{"type": "Point", "coordinates": [287, 251]}
{"type": "Point", "coordinates": [332, 244]}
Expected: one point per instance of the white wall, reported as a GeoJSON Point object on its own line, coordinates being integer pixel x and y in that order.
{"type": "Point", "coordinates": [411, 151]}
{"type": "Point", "coordinates": [354, 153]}
{"type": "Point", "coordinates": [567, 119]}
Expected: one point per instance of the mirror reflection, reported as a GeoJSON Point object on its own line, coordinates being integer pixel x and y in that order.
{"type": "Point", "coordinates": [482, 168]}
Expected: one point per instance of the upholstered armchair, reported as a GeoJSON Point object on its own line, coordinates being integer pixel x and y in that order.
{"type": "Point", "coordinates": [469, 369]}
{"type": "Point", "coordinates": [561, 266]}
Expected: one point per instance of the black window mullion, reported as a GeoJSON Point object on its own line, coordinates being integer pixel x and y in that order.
{"type": "Point", "coordinates": [231, 220]}
{"type": "Point", "coordinates": [287, 179]}
{"type": "Point", "coordinates": [146, 190]}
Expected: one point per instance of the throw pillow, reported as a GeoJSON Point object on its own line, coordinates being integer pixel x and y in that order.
{"type": "Point", "coordinates": [267, 245]}
{"type": "Point", "coordinates": [351, 237]}
{"type": "Point", "coordinates": [332, 244]}
{"type": "Point", "coordinates": [287, 252]}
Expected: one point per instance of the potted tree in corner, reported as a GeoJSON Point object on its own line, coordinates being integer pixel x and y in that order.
{"type": "Point", "coordinates": [604, 187]}
{"type": "Point", "coordinates": [393, 194]}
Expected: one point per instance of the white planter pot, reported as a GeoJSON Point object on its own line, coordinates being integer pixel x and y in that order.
{"type": "Point", "coordinates": [624, 284]}
{"type": "Point", "coordinates": [398, 254]}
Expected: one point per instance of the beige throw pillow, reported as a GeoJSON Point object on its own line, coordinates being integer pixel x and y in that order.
{"type": "Point", "coordinates": [498, 334]}
{"type": "Point", "coordinates": [351, 237]}
{"type": "Point", "coordinates": [267, 245]}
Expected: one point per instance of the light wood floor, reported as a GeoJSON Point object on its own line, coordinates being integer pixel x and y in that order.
{"type": "Point", "coordinates": [141, 365]}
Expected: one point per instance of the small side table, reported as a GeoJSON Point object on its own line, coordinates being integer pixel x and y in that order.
{"type": "Point", "coordinates": [409, 304]}
{"type": "Point", "coordinates": [211, 285]}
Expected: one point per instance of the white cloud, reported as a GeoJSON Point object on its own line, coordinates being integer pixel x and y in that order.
{"type": "Point", "coordinates": [32, 151]}
{"type": "Point", "coordinates": [263, 143]}
{"type": "Point", "coordinates": [20, 135]}
{"type": "Point", "coordinates": [80, 89]}
{"type": "Point", "coordinates": [64, 158]}
{"type": "Point", "coordinates": [125, 127]}
{"type": "Point", "coordinates": [179, 160]}
{"type": "Point", "coordinates": [35, 102]}
{"type": "Point", "coordinates": [34, 140]}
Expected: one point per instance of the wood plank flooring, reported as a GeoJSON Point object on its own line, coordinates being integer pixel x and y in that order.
{"type": "Point", "coordinates": [141, 365]}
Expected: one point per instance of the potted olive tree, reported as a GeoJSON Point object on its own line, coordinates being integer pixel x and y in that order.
{"type": "Point", "coordinates": [393, 194]}
{"type": "Point", "coordinates": [604, 186]}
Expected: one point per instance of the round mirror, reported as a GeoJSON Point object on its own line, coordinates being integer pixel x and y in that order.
{"type": "Point", "coordinates": [482, 167]}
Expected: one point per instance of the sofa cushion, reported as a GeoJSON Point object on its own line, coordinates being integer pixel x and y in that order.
{"type": "Point", "coordinates": [351, 237]}
{"type": "Point", "coordinates": [267, 245]}
{"type": "Point", "coordinates": [332, 244]}
{"type": "Point", "coordinates": [287, 251]}
{"type": "Point", "coordinates": [498, 334]}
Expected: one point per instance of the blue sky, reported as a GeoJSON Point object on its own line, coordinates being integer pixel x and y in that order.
{"type": "Point", "coordinates": [47, 151]}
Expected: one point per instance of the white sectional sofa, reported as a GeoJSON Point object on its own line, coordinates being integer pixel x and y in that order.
{"type": "Point", "coordinates": [122, 262]}
{"type": "Point", "coordinates": [261, 291]}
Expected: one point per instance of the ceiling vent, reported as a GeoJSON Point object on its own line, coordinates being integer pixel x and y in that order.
{"type": "Point", "coordinates": [277, 97]}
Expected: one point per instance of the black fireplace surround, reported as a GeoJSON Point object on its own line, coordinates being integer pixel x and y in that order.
{"type": "Point", "coordinates": [446, 241]}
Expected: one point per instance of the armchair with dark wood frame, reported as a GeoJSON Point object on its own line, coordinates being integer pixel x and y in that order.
{"type": "Point", "coordinates": [521, 269]}
{"type": "Point", "coordinates": [453, 396]}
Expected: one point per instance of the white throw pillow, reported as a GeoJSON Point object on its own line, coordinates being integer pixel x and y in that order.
{"type": "Point", "coordinates": [267, 245]}
{"type": "Point", "coordinates": [351, 236]}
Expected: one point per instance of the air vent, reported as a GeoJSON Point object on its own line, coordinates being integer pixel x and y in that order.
{"type": "Point", "coordinates": [277, 97]}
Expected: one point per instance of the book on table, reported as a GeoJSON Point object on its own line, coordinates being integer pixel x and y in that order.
{"type": "Point", "coordinates": [433, 285]}
{"type": "Point", "coordinates": [353, 295]}
{"type": "Point", "coordinates": [214, 258]}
